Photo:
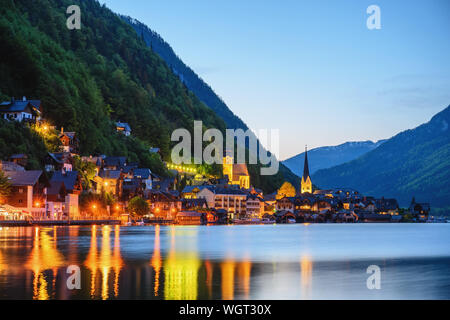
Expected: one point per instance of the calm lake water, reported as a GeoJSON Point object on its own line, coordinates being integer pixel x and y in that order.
{"type": "Point", "coordinates": [317, 261]}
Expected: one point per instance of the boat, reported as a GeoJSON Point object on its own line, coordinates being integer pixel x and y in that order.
{"type": "Point", "coordinates": [291, 221]}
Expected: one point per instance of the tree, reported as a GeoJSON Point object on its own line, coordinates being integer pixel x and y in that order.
{"type": "Point", "coordinates": [5, 187]}
{"type": "Point", "coordinates": [286, 190]}
{"type": "Point", "coordinates": [138, 206]}
{"type": "Point", "coordinates": [87, 171]}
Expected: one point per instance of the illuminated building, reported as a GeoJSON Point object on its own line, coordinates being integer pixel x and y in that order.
{"type": "Point", "coordinates": [306, 184]}
{"type": "Point", "coordinates": [237, 173]}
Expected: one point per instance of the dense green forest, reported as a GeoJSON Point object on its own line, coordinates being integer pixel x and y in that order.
{"type": "Point", "coordinates": [413, 163]}
{"type": "Point", "coordinates": [89, 78]}
{"type": "Point", "coordinates": [194, 83]}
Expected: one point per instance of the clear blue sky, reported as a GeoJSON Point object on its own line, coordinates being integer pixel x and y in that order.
{"type": "Point", "coordinates": [312, 69]}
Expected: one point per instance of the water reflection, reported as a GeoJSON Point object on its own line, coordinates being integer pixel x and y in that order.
{"type": "Point", "coordinates": [181, 266]}
{"type": "Point", "coordinates": [44, 256]}
{"type": "Point", "coordinates": [156, 261]}
{"type": "Point", "coordinates": [306, 268]}
{"type": "Point", "coordinates": [106, 261]}
{"type": "Point", "coordinates": [221, 263]}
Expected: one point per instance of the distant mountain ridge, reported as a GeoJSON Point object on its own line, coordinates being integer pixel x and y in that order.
{"type": "Point", "coordinates": [415, 162]}
{"type": "Point", "coordinates": [330, 156]}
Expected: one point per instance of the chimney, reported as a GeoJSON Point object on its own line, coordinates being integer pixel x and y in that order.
{"type": "Point", "coordinates": [62, 130]}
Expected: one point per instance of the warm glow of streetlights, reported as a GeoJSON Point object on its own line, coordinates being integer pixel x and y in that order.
{"type": "Point", "coordinates": [94, 206]}
{"type": "Point", "coordinates": [106, 183]}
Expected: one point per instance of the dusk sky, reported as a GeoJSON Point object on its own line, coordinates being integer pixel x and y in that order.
{"type": "Point", "coordinates": [312, 69]}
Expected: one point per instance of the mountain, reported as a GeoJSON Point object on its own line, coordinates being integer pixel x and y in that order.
{"type": "Point", "coordinates": [206, 94]}
{"type": "Point", "coordinates": [327, 157]}
{"type": "Point", "coordinates": [413, 163]}
{"type": "Point", "coordinates": [192, 81]}
{"type": "Point", "coordinates": [87, 79]}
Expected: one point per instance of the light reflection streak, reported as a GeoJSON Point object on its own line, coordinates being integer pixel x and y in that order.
{"type": "Point", "coordinates": [106, 261]}
{"type": "Point", "coordinates": [156, 261]}
{"type": "Point", "coordinates": [181, 268]}
{"type": "Point", "coordinates": [227, 269]}
{"type": "Point", "coordinates": [306, 267]}
{"type": "Point", "coordinates": [44, 256]}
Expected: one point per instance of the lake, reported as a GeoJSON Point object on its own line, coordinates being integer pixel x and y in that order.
{"type": "Point", "coordinates": [300, 261]}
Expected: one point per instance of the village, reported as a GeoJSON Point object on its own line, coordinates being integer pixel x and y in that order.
{"type": "Point", "coordinates": [111, 190]}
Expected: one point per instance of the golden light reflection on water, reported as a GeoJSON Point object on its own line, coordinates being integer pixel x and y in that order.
{"type": "Point", "coordinates": [156, 261]}
{"type": "Point", "coordinates": [306, 267]}
{"type": "Point", "coordinates": [244, 274]}
{"type": "Point", "coordinates": [106, 261]}
{"type": "Point", "coordinates": [179, 272]}
{"type": "Point", "coordinates": [181, 267]}
{"type": "Point", "coordinates": [227, 269]}
{"type": "Point", "coordinates": [44, 256]}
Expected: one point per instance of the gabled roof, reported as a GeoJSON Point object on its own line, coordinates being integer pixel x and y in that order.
{"type": "Point", "coordinates": [109, 174]}
{"type": "Point", "coordinates": [189, 189]}
{"type": "Point", "coordinates": [70, 135]}
{"type": "Point", "coordinates": [230, 191]}
{"type": "Point", "coordinates": [23, 178]}
{"type": "Point", "coordinates": [69, 179]}
{"type": "Point", "coordinates": [56, 187]}
{"type": "Point", "coordinates": [20, 105]}
{"type": "Point", "coordinates": [143, 173]}
{"type": "Point", "coordinates": [19, 156]}
{"type": "Point", "coordinates": [115, 161]}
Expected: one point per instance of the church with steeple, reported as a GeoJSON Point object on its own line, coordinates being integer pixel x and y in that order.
{"type": "Point", "coordinates": [306, 184]}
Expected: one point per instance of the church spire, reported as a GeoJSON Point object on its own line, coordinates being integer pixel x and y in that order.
{"type": "Point", "coordinates": [306, 184]}
{"type": "Point", "coordinates": [306, 165]}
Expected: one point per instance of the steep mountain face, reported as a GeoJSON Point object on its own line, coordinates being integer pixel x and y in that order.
{"type": "Point", "coordinates": [413, 163]}
{"type": "Point", "coordinates": [206, 94]}
{"type": "Point", "coordinates": [87, 79]}
{"type": "Point", "coordinates": [192, 81]}
{"type": "Point", "coordinates": [327, 157]}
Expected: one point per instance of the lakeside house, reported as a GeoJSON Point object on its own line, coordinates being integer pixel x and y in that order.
{"type": "Point", "coordinates": [28, 192]}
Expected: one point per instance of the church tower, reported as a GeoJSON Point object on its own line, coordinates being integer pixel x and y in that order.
{"type": "Point", "coordinates": [306, 185]}
{"type": "Point", "coordinates": [228, 165]}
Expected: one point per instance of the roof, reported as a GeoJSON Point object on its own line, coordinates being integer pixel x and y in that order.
{"type": "Point", "coordinates": [55, 187]}
{"type": "Point", "coordinates": [154, 150]}
{"type": "Point", "coordinates": [115, 161]}
{"type": "Point", "coordinates": [189, 214]}
{"type": "Point", "coordinates": [18, 156]}
{"type": "Point", "coordinates": [189, 189]}
{"type": "Point", "coordinates": [123, 125]}
{"type": "Point", "coordinates": [229, 191]}
{"type": "Point", "coordinates": [69, 134]}
{"type": "Point", "coordinates": [23, 178]}
{"type": "Point", "coordinates": [143, 173]}
{"type": "Point", "coordinates": [69, 179]}
{"type": "Point", "coordinates": [20, 105]}
{"type": "Point", "coordinates": [109, 174]}
{"type": "Point", "coordinates": [386, 204]}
